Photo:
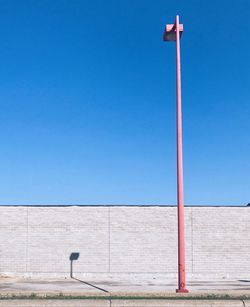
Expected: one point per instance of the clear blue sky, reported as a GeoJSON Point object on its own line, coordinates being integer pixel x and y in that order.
{"type": "Point", "coordinates": [87, 96]}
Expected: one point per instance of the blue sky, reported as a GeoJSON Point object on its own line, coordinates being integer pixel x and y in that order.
{"type": "Point", "coordinates": [87, 97]}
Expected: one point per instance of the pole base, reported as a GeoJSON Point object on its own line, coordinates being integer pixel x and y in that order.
{"type": "Point", "coordinates": [182, 291]}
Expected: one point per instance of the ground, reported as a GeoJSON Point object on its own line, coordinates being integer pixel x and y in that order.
{"type": "Point", "coordinates": [77, 292]}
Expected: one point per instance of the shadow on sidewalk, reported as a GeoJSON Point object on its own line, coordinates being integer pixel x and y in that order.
{"type": "Point", "coordinates": [86, 283]}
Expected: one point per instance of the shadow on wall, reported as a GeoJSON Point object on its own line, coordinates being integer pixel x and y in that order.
{"type": "Point", "coordinates": [73, 257]}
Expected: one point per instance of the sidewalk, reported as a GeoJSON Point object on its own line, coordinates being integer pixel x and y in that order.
{"type": "Point", "coordinates": [77, 292]}
{"type": "Point", "coordinates": [76, 287]}
{"type": "Point", "coordinates": [124, 303]}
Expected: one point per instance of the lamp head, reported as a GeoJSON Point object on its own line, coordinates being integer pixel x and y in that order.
{"type": "Point", "coordinates": [170, 32]}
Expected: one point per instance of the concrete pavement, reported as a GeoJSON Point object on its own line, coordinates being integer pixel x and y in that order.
{"type": "Point", "coordinates": [118, 293]}
{"type": "Point", "coordinates": [124, 303]}
{"type": "Point", "coordinates": [79, 286]}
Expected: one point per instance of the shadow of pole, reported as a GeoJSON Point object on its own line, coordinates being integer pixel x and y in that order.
{"type": "Point", "coordinates": [75, 256]}
{"type": "Point", "coordinates": [72, 257]}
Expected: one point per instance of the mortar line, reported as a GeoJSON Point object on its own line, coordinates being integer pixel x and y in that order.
{"type": "Point", "coordinates": [192, 240]}
{"type": "Point", "coordinates": [109, 238]}
{"type": "Point", "coordinates": [27, 234]}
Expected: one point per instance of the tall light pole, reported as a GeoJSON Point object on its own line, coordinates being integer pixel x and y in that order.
{"type": "Point", "coordinates": [173, 32]}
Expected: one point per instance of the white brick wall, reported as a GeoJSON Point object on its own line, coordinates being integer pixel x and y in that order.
{"type": "Point", "coordinates": [112, 241]}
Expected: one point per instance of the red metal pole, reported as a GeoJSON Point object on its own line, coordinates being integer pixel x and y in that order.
{"type": "Point", "coordinates": [181, 239]}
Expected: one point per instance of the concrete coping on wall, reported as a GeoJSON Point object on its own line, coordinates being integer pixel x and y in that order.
{"type": "Point", "coordinates": [124, 205]}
